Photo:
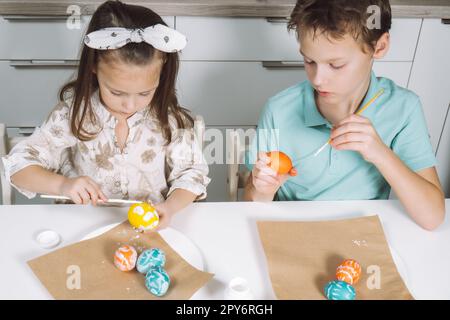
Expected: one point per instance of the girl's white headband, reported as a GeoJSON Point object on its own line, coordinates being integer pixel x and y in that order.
{"type": "Point", "coordinates": [159, 36]}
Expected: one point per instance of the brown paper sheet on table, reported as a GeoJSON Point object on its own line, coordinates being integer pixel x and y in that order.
{"type": "Point", "coordinates": [303, 256]}
{"type": "Point", "coordinates": [100, 279]}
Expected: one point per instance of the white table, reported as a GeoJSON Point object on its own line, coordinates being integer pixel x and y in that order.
{"type": "Point", "coordinates": [227, 236]}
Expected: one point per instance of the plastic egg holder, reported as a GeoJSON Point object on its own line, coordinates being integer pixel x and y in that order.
{"type": "Point", "coordinates": [143, 216]}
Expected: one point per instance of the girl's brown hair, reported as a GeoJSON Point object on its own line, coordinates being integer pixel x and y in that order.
{"type": "Point", "coordinates": [164, 102]}
{"type": "Point", "coordinates": [336, 18]}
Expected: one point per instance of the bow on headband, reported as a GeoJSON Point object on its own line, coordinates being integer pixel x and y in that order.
{"type": "Point", "coordinates": [159, 36]}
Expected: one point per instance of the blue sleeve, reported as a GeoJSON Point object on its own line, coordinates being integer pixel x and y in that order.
{"type": "Point", "coordinates": [412, 144]}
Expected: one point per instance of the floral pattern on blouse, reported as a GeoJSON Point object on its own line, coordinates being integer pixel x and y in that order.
{"type": "Point", "coordinates": [145, 169]}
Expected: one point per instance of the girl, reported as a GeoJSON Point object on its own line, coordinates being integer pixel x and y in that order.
{"type": "Point", "coordinates": [118, 130]}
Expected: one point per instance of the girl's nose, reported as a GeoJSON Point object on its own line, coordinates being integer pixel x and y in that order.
{"type": "Point", "coordinates": [128, 104]}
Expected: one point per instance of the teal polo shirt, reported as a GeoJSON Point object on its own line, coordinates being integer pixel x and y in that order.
{"type": "Point", "coordinates": [290, 122]}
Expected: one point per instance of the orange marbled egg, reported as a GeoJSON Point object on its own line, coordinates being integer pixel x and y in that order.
{"type": "Point", "coordinates": [349, 271]}
{"type": "Point", "coordinates": [125, 258]}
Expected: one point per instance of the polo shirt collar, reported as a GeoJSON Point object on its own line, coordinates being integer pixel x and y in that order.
{"type": "Point", "coordinates": [312, 115]}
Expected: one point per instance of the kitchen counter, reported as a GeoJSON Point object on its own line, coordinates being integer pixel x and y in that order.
{"type": "Point", "coordinates": [233, 8]}
{"type": "Point", "coordinates": [227, 237]}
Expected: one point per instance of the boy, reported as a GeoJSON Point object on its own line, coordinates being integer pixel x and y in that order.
{"type": "Point", "coordinates": [386, 146]}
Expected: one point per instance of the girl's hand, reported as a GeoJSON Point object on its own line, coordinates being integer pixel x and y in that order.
{"type": "Point", "coordinates": [82, 190]}
{"type": "Point", "coordinates": [165, 216]}
{"type": "Point", "coordinates": [356, 133]}
{"type": "Point", "coordinates": [265, 180]}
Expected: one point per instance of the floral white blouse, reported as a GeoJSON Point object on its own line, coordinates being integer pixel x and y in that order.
{"type": "Point", "coordinates": [146, 169]}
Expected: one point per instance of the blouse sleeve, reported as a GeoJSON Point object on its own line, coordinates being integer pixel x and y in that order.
{"type": "Point", "coordinates": [44, 147]}
{"type": "Point", "coordinates": [187, 167]}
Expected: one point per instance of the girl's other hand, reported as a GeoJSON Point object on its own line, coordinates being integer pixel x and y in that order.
{"type": "Point", "coordinates": [82, 190]}
{"type": "Point", "coordinates": [165, 216]}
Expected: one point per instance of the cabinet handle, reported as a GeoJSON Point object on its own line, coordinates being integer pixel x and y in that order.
{"type": "Point", "coordinates": [283, 65]}
{"type": "Point", "coordinates": [26, 131]}
{"type": "Point", "coordinates": [18, 17]}
{"type": "Point", "coordinates": [445, 21]}
{"type": "Point", "coordinates": [283, 20]}
{"type": "Point", "coordinates": [43, 63]}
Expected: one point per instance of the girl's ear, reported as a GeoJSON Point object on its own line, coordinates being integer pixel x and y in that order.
{"type": "Point", "coordinates": [382, 46]}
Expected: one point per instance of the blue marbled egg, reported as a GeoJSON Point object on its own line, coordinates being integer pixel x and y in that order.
{"type": "Point", "coordinates": [157, 281]}
{"type": "Point", "coordinates": [339, 290]}
{"type": "Point", "coordinates": [150, 259]}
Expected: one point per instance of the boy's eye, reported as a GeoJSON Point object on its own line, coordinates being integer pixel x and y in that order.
{"type": "Point", "coordinates": [309, 62]}
{"type": "Point", "coordinates": [337, 67]}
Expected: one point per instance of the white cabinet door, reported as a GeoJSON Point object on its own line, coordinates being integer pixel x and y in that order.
{"type": "Point", "coordinates": [238, 39]}
{"type": "Point", "coordinates": [430, 75]}
{"type": "Point", "coordinates": [29, 93]}
{"type": "Point", "coordinates": [233, 93]}
{"type": "Point", "coordinates": [256, 39]}
{"type": "Point", "coordinates": [443, 156]}
{"type": "Point", "coordinates": [40, 39]}
{"type": "Point", "coordinates": [396, 71]}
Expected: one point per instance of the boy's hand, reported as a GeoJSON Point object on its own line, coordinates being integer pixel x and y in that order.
{"type": "Point", "coordinates": [265, 179]}
{"type": "Point", "coordinates": [356, 133]}
{"type": "Point", "coordinates": [82, 190]}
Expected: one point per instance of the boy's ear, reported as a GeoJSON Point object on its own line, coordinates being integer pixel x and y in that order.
{"type": "Point", "coordinates": [382, 46]}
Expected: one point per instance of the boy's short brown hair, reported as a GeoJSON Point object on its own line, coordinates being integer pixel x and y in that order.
{"type": "Point", "coordinates": [336, 18]}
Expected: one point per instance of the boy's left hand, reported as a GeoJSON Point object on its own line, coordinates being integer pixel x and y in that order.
{"type": "Point", "coordinates": [356, 133]}
{"type": "Point", "coordinates": [165, 216]}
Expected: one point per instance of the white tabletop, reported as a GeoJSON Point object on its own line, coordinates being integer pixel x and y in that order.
{"type": "Point", "coordinates": [227, 237]}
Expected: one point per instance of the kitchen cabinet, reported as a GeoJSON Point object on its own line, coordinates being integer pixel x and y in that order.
{"type": "Point", "coordinates": [443, 156]}
{"type": "Point", "coordinates": [259, 39]}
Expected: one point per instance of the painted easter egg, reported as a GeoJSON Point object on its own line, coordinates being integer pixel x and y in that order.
{"type": "Point", "coordinates": [157, 281]}
{"type": "Point", "coordinates": [349, 271]}
{"type": "Point", "coordinates": [150, 258]}
{"type": "Point", "coordinates": [125, 258]}
{"type": "Point", "coordinates": [143, 216]}
{"type": "Point", "coordinates": [280, 162]}
{"type": "Point", "coordinates": [339, 290]}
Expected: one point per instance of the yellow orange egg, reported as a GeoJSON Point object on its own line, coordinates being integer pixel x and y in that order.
{"type": "Point", "coordinates": [143, 216]}
{"type": "Point", "coordinates": [349, 271]}
{"type": "Point", "coordinates": [125, 258]}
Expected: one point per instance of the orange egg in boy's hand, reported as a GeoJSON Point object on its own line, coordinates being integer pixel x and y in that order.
{"type": "Point", "coordinates": [280, 162]}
